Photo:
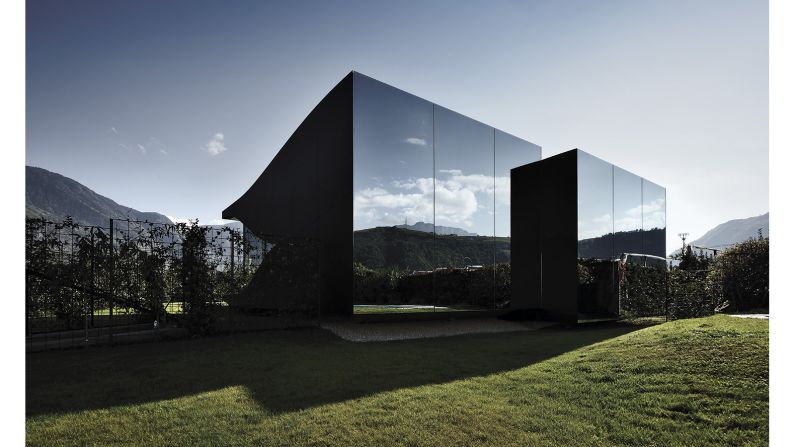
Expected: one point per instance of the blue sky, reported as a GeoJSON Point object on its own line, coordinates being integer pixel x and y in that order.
{"type": "Point", "coordinates": [178, 106]}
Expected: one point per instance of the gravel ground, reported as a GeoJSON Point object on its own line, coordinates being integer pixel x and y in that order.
{"type": "Point", "coordinates": [407, 330]}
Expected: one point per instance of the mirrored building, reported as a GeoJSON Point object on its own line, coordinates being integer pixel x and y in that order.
{"type": "Point", "coordinates": [407, 202]}
{"type": "Point", "coordinates": [579, 217]}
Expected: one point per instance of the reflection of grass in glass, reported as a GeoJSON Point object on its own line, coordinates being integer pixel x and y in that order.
{"type": "Point", "coordinates": [357, 310]}
{"type": "Point", "coordinates": [172, 308]}
{"type": "Point", "coordinates": [700, 382]}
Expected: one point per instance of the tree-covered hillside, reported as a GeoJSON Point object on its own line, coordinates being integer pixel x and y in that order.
{"type": "Point", "coordinates": [394, 247]}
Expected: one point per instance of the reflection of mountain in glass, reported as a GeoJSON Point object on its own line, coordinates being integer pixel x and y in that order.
{"type": "Point", "coordinates": [440, 230]}
{"type": "Point", "coordinates": [602, 247]}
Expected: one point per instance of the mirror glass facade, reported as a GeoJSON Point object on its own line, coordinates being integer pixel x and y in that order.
{"type": "Point", "coordinates": [628, 221]}
{"type": "Point", "coordinates": [431, 193]}
{"type": "Point", "coordinates": [619, 213]}
{"type": "Point", "coordinates": [594, 207]}
{"type": "Point", "coordinates": [653, 219]}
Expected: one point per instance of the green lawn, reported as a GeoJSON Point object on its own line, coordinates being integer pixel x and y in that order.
{"type": "Point", "coordinates": [701, 382]}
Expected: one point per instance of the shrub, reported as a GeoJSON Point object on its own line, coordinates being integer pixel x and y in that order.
{"type": "Point", "coordinates": [740, 275]}
{"type": "Point", "coordinates": [197, 287]}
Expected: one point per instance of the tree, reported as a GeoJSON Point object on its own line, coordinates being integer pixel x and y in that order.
{"type": "Point", "coordinates": [197, 288]}
{"type": "Point", "coordinates": [741, 275]}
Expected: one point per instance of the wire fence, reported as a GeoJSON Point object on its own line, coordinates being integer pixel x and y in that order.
{"type": "Point", "coordinates": [670, 293]}
{"type": "Point", "coordinates": [134, 280]}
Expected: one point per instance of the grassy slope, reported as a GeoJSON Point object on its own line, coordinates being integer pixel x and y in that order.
{"type": "Point", "coordinates": [692, 382]}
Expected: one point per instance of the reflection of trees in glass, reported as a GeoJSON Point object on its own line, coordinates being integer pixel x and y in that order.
{"type": "Point", "coordinates": [390, 247]}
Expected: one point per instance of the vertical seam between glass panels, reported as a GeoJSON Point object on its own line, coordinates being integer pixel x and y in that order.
{"type": "Point", "coordinates": [435, 259]}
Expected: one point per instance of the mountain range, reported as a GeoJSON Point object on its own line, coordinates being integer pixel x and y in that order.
{"type": "Point", "coordinates": [736, 230]}
{"type": "Point", "coordinates": [52, 196]}
{"type": "Point", "coordinates": [733, 232]}
{"type": "Point", "coordinates": [440, 230]}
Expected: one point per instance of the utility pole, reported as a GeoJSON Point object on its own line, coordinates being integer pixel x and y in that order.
{"type": "Point", "coordinates": [683, 236]}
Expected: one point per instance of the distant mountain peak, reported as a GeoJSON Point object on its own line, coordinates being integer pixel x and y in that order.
{"type": "Point", "coordinates": [440, 230]}
{"type": "Point", "coordinates": [733, 231]}
{"type": "Point", "coordinates": [52, 196]}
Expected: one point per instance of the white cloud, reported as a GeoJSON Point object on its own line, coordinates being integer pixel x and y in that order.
{"type": "Point", "coordinates": [455, 205]}
{"type": "Point", "coordinates": [113, 129]}
{"type": "Point", "coordinates": [141, 148]}
{"type": "Point", "coordinates": [654, 214]}
{"type": "Point", "coordinates": [216, 144]}
{"type": "Point", "coordinates": [163, 152]}
{"type": "Point", "coordinates": [416, 141]}
{"type": "Point", "coordinates": [604, 218]}
{"type": "Point", "coordinates": [451, 171]}
{"type": "Point", "coordinates": [458, 198]}
{"type": "Point", "coordinates": [377, 206]}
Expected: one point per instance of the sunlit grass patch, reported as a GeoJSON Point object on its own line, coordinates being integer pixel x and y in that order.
{"type": "Point", "coordinates": [690, 382]}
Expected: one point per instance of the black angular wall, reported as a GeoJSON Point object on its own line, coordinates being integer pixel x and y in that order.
{"type": "Point", "coordinates": [544, 237]}
{"type": "Point", "coordinates": [306, 192]}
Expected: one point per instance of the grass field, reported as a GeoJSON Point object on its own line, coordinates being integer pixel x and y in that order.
{"type": "Point", "coordinates": [701, 382]}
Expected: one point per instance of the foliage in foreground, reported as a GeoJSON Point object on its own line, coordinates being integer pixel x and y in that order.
{"type": "Point", "coordinates": [740, 274]}
{"type": "Point", "coordinates": [75, 272]}
{"type": "Point", "coordinates": [693, 382]}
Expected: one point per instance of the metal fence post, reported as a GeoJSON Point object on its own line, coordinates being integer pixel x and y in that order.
{"type": "Point", "coordinates": [111, 285]}
{"type": "Point", "coordinates": [232, 256]}
{"type": "Point", "coordinates": [667, 294]}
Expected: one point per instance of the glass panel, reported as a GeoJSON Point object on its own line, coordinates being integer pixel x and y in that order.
{"type": "Point", "coordinates": [628, 221]}
{"type": "Point", "coordinates": [594, 207]}
{"type": "Point", "coordinates": [509, 152]}
{"type": "Point", "coordinates": [393, 199]}
{"type": "Point", "coordinates": [464, 210]}
{"type": "Point", "coordinates": [653, 219]}
{"type": "Point", "coordinates": [596, 297]}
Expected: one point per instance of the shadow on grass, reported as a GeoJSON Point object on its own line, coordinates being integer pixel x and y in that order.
{"type": "Point", "coordinates": [284, 370]}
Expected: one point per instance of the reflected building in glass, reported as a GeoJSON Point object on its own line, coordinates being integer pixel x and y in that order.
{"type": "Point", "coordinates": [576, 218]}
{"type": "Point", "coordinates": [408, 203]}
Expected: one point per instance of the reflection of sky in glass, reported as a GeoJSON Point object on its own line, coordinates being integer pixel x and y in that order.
{"type": "Point", "coordinates": [611, 200]}
{"type": "Point", "coordinates": [464, 150]}
{"type": "Point", "coordinates": [393, 156]}
{"type": "Point", "coordinates": [397, 135]}
{"type": "Point", "coordinates": [594, 197]}
{"type": "Point", "coordinates": [509, 152]}
{"type": "Point", "coordinates": [653, 206]}
{"type": "Point", "coordinates": [627, 197]}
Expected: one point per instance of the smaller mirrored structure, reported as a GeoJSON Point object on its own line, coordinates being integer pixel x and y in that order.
{"type": "Point", "coordinates": [590, 218]}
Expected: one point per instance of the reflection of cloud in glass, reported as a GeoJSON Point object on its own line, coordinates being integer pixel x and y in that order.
{"type": "Point", "coordinates": [595, 227]}
{"type": "Point", "coordinates": [458, 197]}
{"type": "Point", "coordinates": [378, 207]}
{"type": "Point", "coordinates": [654, 214]}
{"type": "Point", "coordinates": [416, 141]}
{"type": "Point", "coordinates": [628, 220]}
